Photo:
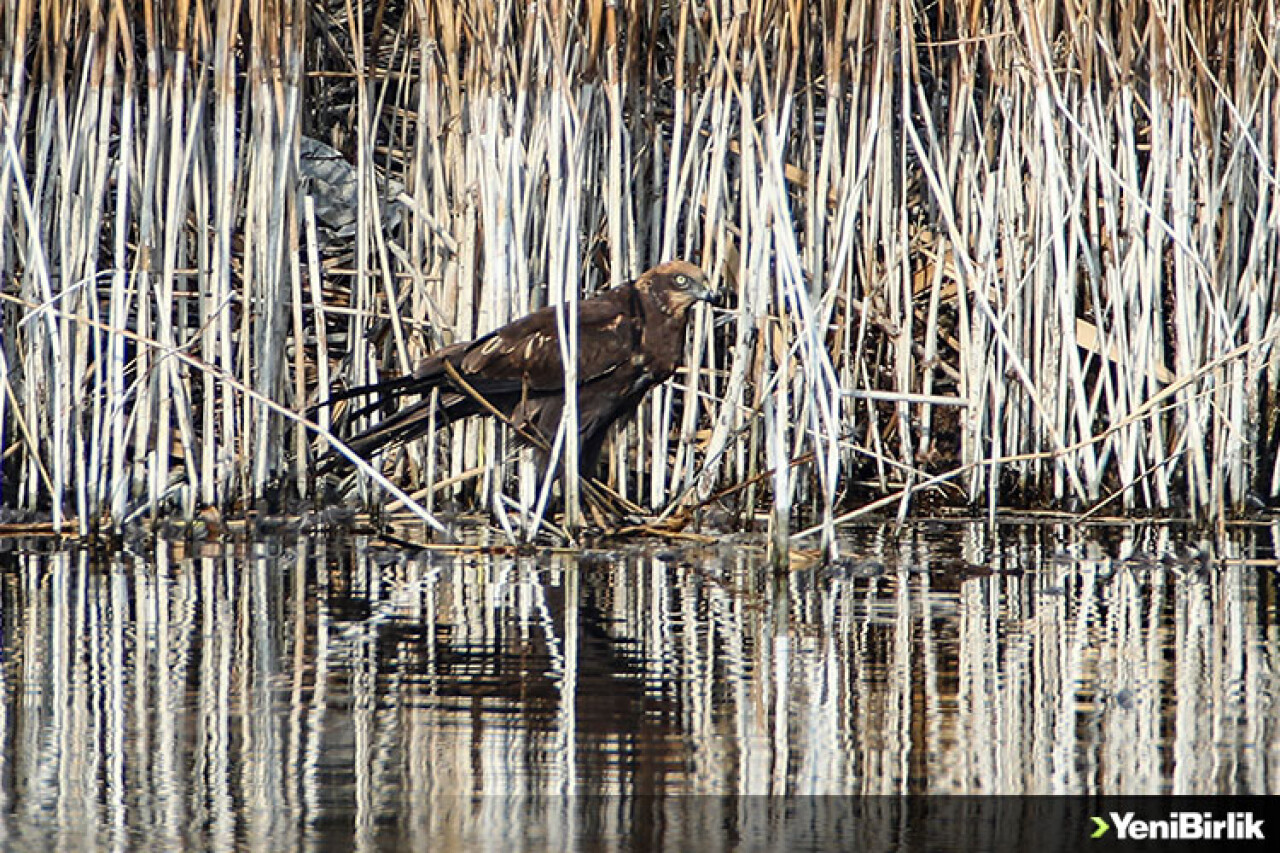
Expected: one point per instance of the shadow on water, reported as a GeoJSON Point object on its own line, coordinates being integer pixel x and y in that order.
{"type": "Point", "coordinates": [329, 693]}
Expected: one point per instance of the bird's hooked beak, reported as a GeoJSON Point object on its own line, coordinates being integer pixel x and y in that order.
{"type": "Point", "coordinates": [701, 289]}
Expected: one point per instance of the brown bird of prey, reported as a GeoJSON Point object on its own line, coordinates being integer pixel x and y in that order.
{"type": "Point", "coordinates": [630, 338]}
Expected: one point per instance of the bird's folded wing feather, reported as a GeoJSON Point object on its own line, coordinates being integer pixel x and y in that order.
{"type": "Point", "coordinates": [526, 353]}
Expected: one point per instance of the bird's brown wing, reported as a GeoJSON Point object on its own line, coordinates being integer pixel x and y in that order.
{"type": "Point", "coordinates": [526, 355]}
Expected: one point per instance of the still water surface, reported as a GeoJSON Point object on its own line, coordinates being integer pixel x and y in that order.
{"type": "Point", "coordinates": [331, 693]}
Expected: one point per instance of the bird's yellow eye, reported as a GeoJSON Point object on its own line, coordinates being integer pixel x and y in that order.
{"type": "Point", "coordinates": [682, 279]}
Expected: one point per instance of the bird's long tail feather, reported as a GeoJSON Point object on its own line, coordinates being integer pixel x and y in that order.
{"type": "Point", "coordinates": [386, 387]}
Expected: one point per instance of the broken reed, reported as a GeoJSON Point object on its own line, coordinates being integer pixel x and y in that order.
{"type": "Point", "coordinates": [1007, 252]}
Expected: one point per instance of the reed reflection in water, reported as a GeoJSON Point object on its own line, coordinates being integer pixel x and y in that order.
{"type": "Point", "coordinates": [306, 691]}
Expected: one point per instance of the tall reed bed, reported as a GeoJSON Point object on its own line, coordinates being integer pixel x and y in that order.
{"type": "Point", "coordinates": [983, 253]}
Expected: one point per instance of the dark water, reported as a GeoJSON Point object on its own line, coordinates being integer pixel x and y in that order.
{"type": "Point", "coordinates": [333, 694]}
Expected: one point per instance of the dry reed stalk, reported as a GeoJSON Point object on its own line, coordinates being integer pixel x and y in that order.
{"type": "Point", "coordinates": [1053, 215]}
{"type": "Point", "coordinates": [255, 397]}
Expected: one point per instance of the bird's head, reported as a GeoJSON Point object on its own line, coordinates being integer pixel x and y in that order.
{"type": "Point", "coordinates": [680, 284]}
